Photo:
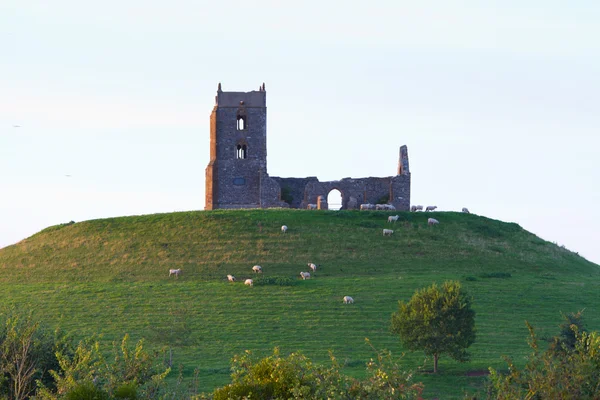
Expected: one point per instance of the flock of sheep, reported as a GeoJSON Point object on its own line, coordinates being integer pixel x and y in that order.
{"type": "Point", "coordinates": [313, 267]}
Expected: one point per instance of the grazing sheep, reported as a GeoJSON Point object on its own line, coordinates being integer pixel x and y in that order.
{"type": "Point", "coordinates": [312, 207]}
{"type": "Point", "coordinates": [231, 278]}
{"type": "Point", "coordinates": [175, 272]}
{"type": "Point", "coordinates": [418, 208]}
{"type": "Point", "coordinates": [393, 218]}
{"type": "Point", "coordinates": [432, 221]}
{"type": "Point", "coordinates": [387, 232]}
{"type": "Point", "coordinates": [249, 282]}
{"type": "Point", "coordinates": [312, 266]}
{"type": "Point", "coordinates": [367, 206]}
{"type": "Point", "coordinates": [465, 210]}
{"type": "Point", "coordinates": [284, 228]}
{"type": "Point", "coordinates": [413, 208]}
{"type": "Point", "coordinates": [389, 207]}
{"type": "Point", "coordinates": [348, 300]}
{"type": "Point", "coordinates": [257, 269]}
{"type": "Point", "coordinates": [305, 275]}
{"type": "Point", "coordinates": [430, 208]}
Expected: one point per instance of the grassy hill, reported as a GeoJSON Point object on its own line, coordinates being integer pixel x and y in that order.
{"type": "Point", "coordinates": [110, 276]}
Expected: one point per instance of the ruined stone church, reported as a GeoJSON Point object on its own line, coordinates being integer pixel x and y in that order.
{"type": "Point", "coordinates": [236, 175]}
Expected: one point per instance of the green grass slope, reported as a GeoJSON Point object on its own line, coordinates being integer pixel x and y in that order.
{"type": "Point", "coordinates": [110, 276]}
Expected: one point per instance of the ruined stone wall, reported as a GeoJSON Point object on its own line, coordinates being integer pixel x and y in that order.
{"type": "Point", "coordinates": [296, 188]}
{"type": "Point", "coordinates": [364, 190]}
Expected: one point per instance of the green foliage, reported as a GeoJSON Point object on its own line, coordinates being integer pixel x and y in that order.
{"type": "Point", "coordinates": [126, 391]}
{"type": "Point", "coordinates": [132, 371]}
{"type": "Point", "coordinates": [573, 374]}
{"type": "Point", "coordinates": [86, 391]}
{"type": "Point", "coordinates": [437, 320]}
{"type": "Point", "coordinates": [26, 354]}
{"type": "Point", "coordinates": [567, 339]}
{"type": "Point", "coordinates": [296, 377]}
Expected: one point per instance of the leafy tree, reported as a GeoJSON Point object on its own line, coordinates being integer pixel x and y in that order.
{"type": "Point", "coordinates": [437, 320]}
{"type": "Point", "coordinates": [26, 354]}
{"type": "Point", "coordinates": [567, 374]}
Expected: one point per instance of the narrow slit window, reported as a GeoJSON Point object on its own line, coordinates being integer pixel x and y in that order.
{"type": "Point", "coordinates": [241, 123]}
{"type": "Point", "coordinates": [241, 152]}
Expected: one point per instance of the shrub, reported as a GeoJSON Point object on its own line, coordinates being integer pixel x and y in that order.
{"type": "Point", "coordinates": [86, 391]}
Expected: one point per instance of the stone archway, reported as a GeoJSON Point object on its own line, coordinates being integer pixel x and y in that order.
{"type": "Point", "coordinates": [335, 199]}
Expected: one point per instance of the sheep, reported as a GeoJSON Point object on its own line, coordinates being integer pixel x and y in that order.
{"type": "Point", "coordinates": [389, 207]}
{"type": "Point", "coordinates": [430, 208]}
{"type": "Point", "coordinates": [312, 207]}
{"type": "Point", "coordinates": [348, 300]}
{"type": "Point", "coordinates": [418, 208]}
{"type": "Point", "coordinates": [387, 232]}
{"type": "Point", "coordinates": [313, 267]}
{"type": "Point", "coordinates": [257, 269]}
{"type": "Point", "coordinates": [413, 208]}
{"type": "Point", "coordinates": [465, 210]}
{"type": "Point", "coordinates": [305, 275]}
{"type": "Point", "coordinates": [231, 278]}
{"type": "Point", "coordinates": [249, 282]}
{"type": "Point", "coordinates": [284, 228]}
{"type": "Point", "coordinates": [367, 206]}
{"type": "Point", "coordinates": [175, 272]}
{"type": "Point", "coordinates": [393, 218]}
{"type": "Point", "coordinates": [380, 206]}
{"type": "Point", "coordinates": [432, 221]}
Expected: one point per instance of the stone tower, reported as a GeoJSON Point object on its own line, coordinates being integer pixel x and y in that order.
{"type": "Point", "coordinates": [238, 150]}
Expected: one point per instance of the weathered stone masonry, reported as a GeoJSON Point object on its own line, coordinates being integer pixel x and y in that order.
{"type": "Point", "coordinates": [236, 176]}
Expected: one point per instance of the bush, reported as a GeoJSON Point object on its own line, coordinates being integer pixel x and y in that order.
{"type": "Point", "coordinates": [126, 391]}
{"type": "Point", "coordinates": [86, 391]}
{"type": "Point", "coordinates": [496, 275]}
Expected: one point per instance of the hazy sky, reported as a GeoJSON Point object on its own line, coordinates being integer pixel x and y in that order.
{"type": "Point", "coordinates": [104, 105]}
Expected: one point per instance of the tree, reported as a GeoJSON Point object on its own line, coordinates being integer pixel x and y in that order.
{"type": "Point", "coordinates": [438, 320]}
{"type": "Point", "coordinates": [565, 374]}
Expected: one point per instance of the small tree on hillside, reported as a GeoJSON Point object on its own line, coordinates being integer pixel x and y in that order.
{"type": "Point", "coordinates": [437, 320]}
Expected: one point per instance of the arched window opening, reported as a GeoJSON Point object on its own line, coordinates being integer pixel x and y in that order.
{"type": "Point", "coordinates": [241, 122]}
{"type": "Point", "coordinates": [241, 152]}
{"type": "Point", "coordinates": [334, 200]}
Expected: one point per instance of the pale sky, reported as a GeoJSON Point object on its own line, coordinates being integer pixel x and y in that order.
{"type": "Point", "coordinates": [104, 106]}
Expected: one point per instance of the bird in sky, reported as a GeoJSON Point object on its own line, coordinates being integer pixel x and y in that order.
{"type": "Point", "coordinates": [16, 126]}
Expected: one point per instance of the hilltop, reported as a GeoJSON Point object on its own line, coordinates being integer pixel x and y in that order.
{"type": "Point", "coordinates": [110, 276]}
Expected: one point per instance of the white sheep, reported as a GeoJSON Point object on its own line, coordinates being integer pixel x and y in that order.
{"type": "Point", "coordinates": [418, 208]}
{"type": "Point", "coordinates": [388, 232]}
{"type": "Point", "coordinates": [393, 218]}
{"type": "Point", "coordinates": [432, 221]}
{"type": "Point", "coordinates": [430, 208]}
{"type": "Point", "coordinates": [249, 282]}
{"type": "Point", "coordinates": [231, 278]}
{"type": "Point", "coordinates": [284, 228]}
{"type": "Point", "coordinates": [257, 269]}
{"type": "Point", "coordinates": [175, 272]}
{"type": "Point", "coordinates": [305, 275]}
{"type": "Point", "coordinates": [367, 206]}
{"type": "Point", "coordinates": [380, 206]}
{"type": "Point", "coordinates": [390, 207]}
{"type": "Point", "coordinates": [312, 207]}
{"type": "Point", "coordinates": [312, 266]}
{"type": "Point", "coordinates": [465, 210]}
{"type": "Point", "coordinates": [348, 300]}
